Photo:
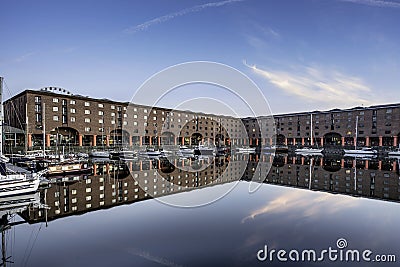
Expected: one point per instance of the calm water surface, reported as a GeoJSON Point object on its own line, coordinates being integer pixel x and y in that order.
{"type": "Point", "coordinates": [227, 232]}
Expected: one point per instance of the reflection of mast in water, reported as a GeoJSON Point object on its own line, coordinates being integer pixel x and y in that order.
{"type": "Point", "coordinates": [355, 174]}
{"type": "Point", "coordinates": [310, 175]}
{"type": "Point", "coordinates": [9, 207]}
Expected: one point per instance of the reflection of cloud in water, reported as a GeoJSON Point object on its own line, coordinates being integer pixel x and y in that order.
{"type": "Point", "coordinates": [153, 258]}
{"type": "Point", "coordinates": [308, 202]}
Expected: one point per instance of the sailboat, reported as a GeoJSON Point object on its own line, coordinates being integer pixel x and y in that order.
{"type": "Point", "coordinates": [100, 153]}
{"type": "Point", "coordinates": [309, 151]}
{"type": "Point", "coordinates": [366, 151]}
{"type": "Point", "coordinates": [14, 180]}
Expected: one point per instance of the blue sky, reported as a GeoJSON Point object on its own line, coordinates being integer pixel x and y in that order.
{"type": "Point", "coordinates": [304, 54]}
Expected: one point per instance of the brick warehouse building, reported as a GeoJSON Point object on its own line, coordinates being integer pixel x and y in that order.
{"type": "Point", "coordinates": [80, 121]}
{"type": "Point", "coordinates": [378, 126]}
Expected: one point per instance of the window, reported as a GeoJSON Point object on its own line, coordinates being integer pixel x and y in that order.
{"type": "Point", "coordinates": [134, 109]}
{"type": "Point", "coordinates": [135, 123]}
{"type": "Point", "coordinates": [145, 117]}
{"type": "Point", "coordinates": [87, 111]}
{"type": "Point", "coordinates": [112, 122]}
{"type": "Point", "coordinates": [100, 105]}
{"type": "Point", "coordinates": [125, 123]}
{"type": "Point", "coordinates": [87, 104]}
{"type": "Point", "coordinates": [38, 99]}
{"type": "Point", "coordinates": [154, 118]}
{"type": "Point", "coordinates": [73, 110]}
{"type": "Point", "coordinates": [101, 113]}
{"type": "Point", "coordinates": [55, 100]}
{"type": "Point", "coordinates": [55, 118]}
{"type": "Point", "coordinates": [145, 110]}
{"type": "Point", "coordinates": [112, 114]}
{"type": "Point", "coordinates": [135, 116]}
{"type": "Point", "coordinates": [87, 129]}
{"type": "Point", "coordinates": [72, 102]}
{"type": "Point", "coordinates": [72, 119]}
{"type": "Point", "coordinates": [101, 121]}
{"type": "Point", "coordinates": [112, 107]}
{"type": "Point", "coordinates": [87, 119]}
{"type": "Point", "coordinates": [55, 108]}
{"type": "Point", "coordinates": [154, 111]}
{"type": "Point", "coordinates": [88, 190]}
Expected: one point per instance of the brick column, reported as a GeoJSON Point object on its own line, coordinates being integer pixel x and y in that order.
{"type": "Point", "coordinates": [342, 163]}
{"type": "Point", "coordinates": [47, 140]}
{"type": "Point", "coordinates": [367, 141]}
{"type": "Point", "coordinates": [355, 141]}
{"type": "Point", "coordinates": [380, 140]}
{"type": "Point", "coordinates": [80, 137]}
{"type": "Point", "coordinates": [343, 140]}
{"type": "Point", "coordinates": [29, 140]}
{"type": "Point", "coordinates": [130, 140]}
{"type": "Point", "coordinates": [140, 140]}
{"type": "Point", "coordinates": [380, 165]}
{"type": "Point", "coordinates": [107, 140]}
{"type": "Point", "coordinates": [366, 164]}
{"type": "Point", "coordinates": [94, 140]}
{"type": "Point", "coordinates": [395, 140]}
{"type": "Point", "coordinates": [394, 166]}
{"type": "Point", "coordinates": [302, 141]}
{"type": "Point", "coordinates": [322, 142]}
{"type": "Point", "coordinates": [286, 141]}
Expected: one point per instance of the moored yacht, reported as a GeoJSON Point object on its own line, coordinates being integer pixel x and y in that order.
{"type": "Point", "coordinates": [245, 150]}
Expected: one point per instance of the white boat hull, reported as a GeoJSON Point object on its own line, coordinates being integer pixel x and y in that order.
{"type": "Point", "coordinates": [99, 154]}
{"type": "Point", "coordinates": [359, 152]}
{"type": "Point", "coordinates": [17, 187]}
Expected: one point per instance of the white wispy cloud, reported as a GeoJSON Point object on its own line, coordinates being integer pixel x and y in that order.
{"type": "Point", "coordinates": [377, 3]}
{"type": "Point", "coordinates": [319, 85]}
{"type": "Point", "coordinates": [24, 57]}
{"type": "Point", "coordinates": [147, 24]}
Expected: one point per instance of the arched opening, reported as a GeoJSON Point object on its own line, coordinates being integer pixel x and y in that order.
{"type": "Point", "coordinates": [332, 140]}
{"type": "Point", "coordinates": [332, 164]}
{"type": "Point", "coordinates": [119, 137]}
{"type": "Point", "coordinates": [387, 141]}
{"type": "Point", "coordinates": [167, 138]}
{"type": "Point", "coordinates": [166, 166]}
{"type": "Point", "coordinates": [64, 136]}
{"type": "Point", "coordinates": [196, 139]}
{"type": "Point", "coordinates": [278, 140]}
{"type": "Point", "coordinates": [219, 140]}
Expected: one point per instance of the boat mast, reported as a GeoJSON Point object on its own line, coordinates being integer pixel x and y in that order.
{"type": "Point", "coordinates": [44, 129]}
{"type": "Point", "coordinates": [355, 141]}
{"type": "Point", "coordinates": [1, 115]}
{"type": "Point", "coordinates": [311, 132]}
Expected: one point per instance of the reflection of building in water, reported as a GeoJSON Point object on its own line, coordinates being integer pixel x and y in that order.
{"type": "Point", "coordinates": [373, 178]}
{"type": "Point", "coordinates": [112, 184]}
